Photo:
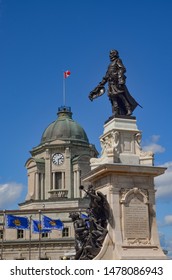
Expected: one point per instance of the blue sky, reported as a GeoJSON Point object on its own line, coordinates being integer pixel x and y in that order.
{"type": "Point", "coordinates": [39, 39]}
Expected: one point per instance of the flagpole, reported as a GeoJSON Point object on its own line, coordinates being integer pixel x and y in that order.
{"type": "Point", "coordinates": [65, 75]}
{"type": "Point", "coordinates": [3, 227]}
{"type": "Point", "coordinates": [30, 234]}
{"type": "Point", "coordinates": [64, 91]}
{"type": "Point", "coordinates": [39, 234]}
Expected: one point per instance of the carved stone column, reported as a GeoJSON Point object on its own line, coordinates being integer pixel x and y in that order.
{"type": "Point", "coordinates": [36, 185]}
{"type": "Point", "coordinates": [48, 174]}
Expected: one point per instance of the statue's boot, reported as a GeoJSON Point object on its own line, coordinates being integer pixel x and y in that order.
{"type": "Point", "coordinates": [129, 111]}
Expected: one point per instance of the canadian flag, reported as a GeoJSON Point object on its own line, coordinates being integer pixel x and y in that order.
{"type": "Point", "coordinates": [67, 74]}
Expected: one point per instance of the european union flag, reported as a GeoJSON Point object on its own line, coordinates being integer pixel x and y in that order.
{"type": "Point", "coordinates": [37, 227]}
{"type": "Point", "coordinates": [52, 224]}
{"type": "Point", "coordinates": [17, 222]}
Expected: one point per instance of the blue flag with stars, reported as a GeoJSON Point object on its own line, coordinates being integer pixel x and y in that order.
{"type": "Point", "coordinates": [17, 222]}
{"type": "Point", "coordinates": [51, 223]}
{"type": "Point", "coordinates": [38, 228]}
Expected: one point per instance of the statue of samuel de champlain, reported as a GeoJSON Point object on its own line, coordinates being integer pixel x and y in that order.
{"type": "Point", "coordinates": [123, 104]}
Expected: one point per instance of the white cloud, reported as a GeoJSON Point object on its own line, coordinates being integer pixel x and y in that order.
{"type": "Point", "coordinates": [9, 193]}
{"type": "Point", "coordinates": [163, 183]}
{"type": "Point", "coordinates": [153, 146]}
{"type": "Point", "coordinates": [168, 220]}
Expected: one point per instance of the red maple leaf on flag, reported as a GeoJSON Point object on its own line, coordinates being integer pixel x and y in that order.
{"type": "Point", "coordinates": [67, 74]}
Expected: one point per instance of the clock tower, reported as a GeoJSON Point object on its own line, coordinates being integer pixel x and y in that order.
{"type": "Point", "coordinates": [58, 163]}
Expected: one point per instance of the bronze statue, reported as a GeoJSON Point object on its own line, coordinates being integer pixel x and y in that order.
{"type": "Point", "coordinates": [81, 233]}
{"type": "Point", "coordinates": [122, 101]}
{"type": "Point", "coordinates": [98, 207]}
{"type": "Point", "coordinates": [91, 230]}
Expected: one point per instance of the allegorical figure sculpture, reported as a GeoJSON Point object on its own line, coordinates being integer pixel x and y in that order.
{"type": "Point", "coordinates": [81, 232]}
{"type": "Point", "coordinates": [122, 101]}
{"type": "Point", "coordinates": [91, 229]}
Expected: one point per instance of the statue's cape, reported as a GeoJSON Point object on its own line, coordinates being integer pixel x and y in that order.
{"type": "Point", "coordinates": [133, 103]}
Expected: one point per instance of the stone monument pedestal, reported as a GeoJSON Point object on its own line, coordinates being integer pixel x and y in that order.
{"type": "Point", "coordinates": [125, 174]}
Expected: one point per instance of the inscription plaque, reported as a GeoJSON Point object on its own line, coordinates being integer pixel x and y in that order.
{"type": "Point", "coordinates": [136, 219]}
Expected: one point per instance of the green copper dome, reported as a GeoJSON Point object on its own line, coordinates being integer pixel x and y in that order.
{"type": "Point", "coordinates": [64, 128]}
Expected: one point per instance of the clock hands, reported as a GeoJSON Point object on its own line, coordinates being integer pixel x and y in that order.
{"type": "Point", "coordinates": [58, 158]}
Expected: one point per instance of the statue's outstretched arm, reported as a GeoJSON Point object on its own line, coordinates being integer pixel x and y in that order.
{"type": "Point", "coordinates": [99, 90]}
{"type": "Point", "coordinates": [104, 79]}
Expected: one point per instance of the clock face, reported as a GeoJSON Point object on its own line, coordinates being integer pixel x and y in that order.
{"type": "Point", "coordinates": [58, 159]}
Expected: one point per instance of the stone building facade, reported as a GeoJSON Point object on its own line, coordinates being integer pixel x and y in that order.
{"type": "Point", "coordinates": [54, 175]}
